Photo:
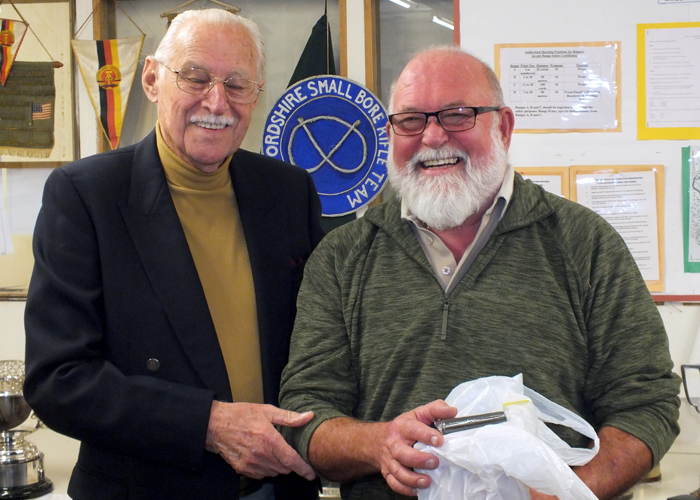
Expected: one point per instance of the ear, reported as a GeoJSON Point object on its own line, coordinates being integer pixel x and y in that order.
{"type": "Point", "coordinates": [507, 125]}
{"type": "Point", "coordinates": [257, 99]}
{"type": "Point", "coordinates": [149, 78]}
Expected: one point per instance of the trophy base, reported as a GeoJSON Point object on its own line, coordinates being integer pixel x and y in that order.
{"type": "Point", "coordinates": [23, 477]}
{"type": "Point", "coordinates": [29, 491]}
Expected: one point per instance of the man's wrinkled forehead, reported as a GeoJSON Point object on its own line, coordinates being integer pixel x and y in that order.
{"type": "Point", "coordinates": [452, 79]}
{"type": "Point", "coordinates": [409, 97]}
{"type": "Point", "coordinates": [191, 46]}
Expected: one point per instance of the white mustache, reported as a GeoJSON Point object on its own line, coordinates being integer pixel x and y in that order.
{"type": "Point", "coordinates": [212, 121]}
{"type": "Point", "coordinates": [430, 154]}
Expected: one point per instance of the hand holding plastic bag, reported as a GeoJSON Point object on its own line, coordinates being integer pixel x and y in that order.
{"type": "Point", "coordinates": [502, 461]}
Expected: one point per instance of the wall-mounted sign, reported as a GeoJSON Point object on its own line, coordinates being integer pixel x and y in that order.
{"type": "Point", "coordinates": [631, 199]}
{"type": "Point", "coordinates": [334, 128]}
{"type": "Point", "coordinates": [668, 86]}
{"type": "Point", "coordinates": [561, 87]}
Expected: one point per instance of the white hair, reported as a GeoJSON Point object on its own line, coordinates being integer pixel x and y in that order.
{"type": "Point", "coordinates": [216, 19]}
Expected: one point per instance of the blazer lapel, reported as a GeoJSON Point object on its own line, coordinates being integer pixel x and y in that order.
{"type": "Point", "coordinates": [267, 240]}
{"type": "Point", "coordinates": [157, 234]}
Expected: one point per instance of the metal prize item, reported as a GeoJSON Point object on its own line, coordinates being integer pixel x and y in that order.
{"type": "Point", "coordinates": [692, 401]}
{"type": "Point", "coordinates": [21, 463]}
{"type": "Point", "coordinates": [685, 386]}
{"type": "Point", "coordinates": [450, 425]}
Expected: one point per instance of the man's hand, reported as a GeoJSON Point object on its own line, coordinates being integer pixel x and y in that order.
{"type": "Point", "coordinates": [536, 495]}
{"type": "Point", "coordinates": [343, 449]}
{"type": "Point", "coordinates": [621, 462]}
{"type": "Point", "coordinates": [397, 454]}
{"type": "Point", "coordinates": [245, 436]}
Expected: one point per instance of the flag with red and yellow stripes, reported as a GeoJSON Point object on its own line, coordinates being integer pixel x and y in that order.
{"type": "Point", "coordinates": [11, 35]}
{"type": "Point", "coordinates": [108, 68]}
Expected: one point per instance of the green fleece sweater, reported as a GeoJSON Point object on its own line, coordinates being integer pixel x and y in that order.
{"type": "Point", "coordinates": [555, 295]}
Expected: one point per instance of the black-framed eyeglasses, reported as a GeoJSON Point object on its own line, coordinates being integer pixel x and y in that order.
{"type": "Point", "coordinates": [199, 82]}
{"type": "Point", "coordinates": [451, 119]}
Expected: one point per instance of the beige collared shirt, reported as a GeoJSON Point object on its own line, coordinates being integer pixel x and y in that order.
{"type": "Point", "coordinates": [444, 264]}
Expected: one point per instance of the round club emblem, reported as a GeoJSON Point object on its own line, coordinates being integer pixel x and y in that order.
{"type": "Point", "coordinates": [335, 129]}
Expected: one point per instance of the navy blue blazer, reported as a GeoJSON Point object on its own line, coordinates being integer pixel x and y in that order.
{"type": "Point", "coordinates": [121, 351]}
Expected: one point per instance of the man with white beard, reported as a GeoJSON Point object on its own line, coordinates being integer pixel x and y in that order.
{"type": "Point", "coordinates": [470, 272]}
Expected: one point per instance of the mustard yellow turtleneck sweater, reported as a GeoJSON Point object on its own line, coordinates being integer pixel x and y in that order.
{"type": "Point", "coordinates": [206, 206]}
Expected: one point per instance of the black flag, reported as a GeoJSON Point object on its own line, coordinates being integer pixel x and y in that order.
{"type": "Point", "coordinates": [317, 58]}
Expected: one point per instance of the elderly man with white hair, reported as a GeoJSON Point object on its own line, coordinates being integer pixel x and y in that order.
{"type": "Point", "coordinates": [163, 295]}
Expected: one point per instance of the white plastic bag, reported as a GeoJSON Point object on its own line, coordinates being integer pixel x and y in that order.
{"type": "Point", "coordinates": [502, 461]}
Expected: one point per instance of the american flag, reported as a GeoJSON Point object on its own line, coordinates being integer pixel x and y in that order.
{"type": "Point", "coordinates": [41, 111]}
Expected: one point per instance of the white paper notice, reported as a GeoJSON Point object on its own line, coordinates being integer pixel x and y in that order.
{"type": "Point", "coordinates": [627, 200]}
{"type": "Point", "coordinates": [550, 183]}
{"type": "Point", "coordinates": [694, 206]}
{"type": "Point", "coordinates": [561, 88]}
{"type": "Point", "coordinates": [672, 77]}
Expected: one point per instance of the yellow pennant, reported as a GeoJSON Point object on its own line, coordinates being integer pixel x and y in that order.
{"type": "Point", "coordinates": [108, 68]}
{"type": "Point", "coordinates": [11, 36]}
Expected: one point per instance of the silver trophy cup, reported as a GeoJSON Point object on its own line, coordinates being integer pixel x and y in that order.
{"type": "Point", "coordinates": [21, 463]}
{"type": "Point", "coordinates": [692, 401]}
{"type": "Point", "coordinates": [686, 371]}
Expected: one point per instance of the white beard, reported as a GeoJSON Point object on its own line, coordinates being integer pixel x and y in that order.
{"type": "Point", "coordinates": [446, 201]}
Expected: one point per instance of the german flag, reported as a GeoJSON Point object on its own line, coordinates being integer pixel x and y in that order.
{"type": "Point", "coordinates": [108, 68]}
{"type": "Point", "coordinates": [108, 78]}
{"type": "Point", "coordinates": [11, 36]}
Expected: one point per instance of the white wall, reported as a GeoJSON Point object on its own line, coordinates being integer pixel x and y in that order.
{"type": "Point", "coordinates": [484, 24]}
{"type": "Point", "coordinates": [12, 330]}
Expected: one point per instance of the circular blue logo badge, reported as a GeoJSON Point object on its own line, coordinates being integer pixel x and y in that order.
{"type": "Point", "coordinates": [336, 130]}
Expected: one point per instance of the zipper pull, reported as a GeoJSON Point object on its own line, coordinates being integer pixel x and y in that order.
{"type": "Point", "coordinates": [445, 308]}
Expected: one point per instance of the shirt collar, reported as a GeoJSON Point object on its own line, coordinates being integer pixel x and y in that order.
{"type": "Point", "coordinates": [182, 174]}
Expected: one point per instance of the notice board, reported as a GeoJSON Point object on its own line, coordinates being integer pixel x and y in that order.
{"type": "Point", "coordinates": [485, 25]}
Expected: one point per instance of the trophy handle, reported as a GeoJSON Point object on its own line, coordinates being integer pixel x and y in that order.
{"type": "Point", "coordinates": [685, 385]}
{"type": "Point", "coordinates": [40, 425]}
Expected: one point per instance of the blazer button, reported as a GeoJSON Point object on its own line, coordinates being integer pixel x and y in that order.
{"type": "Point", "coordinates": [152, 365]}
